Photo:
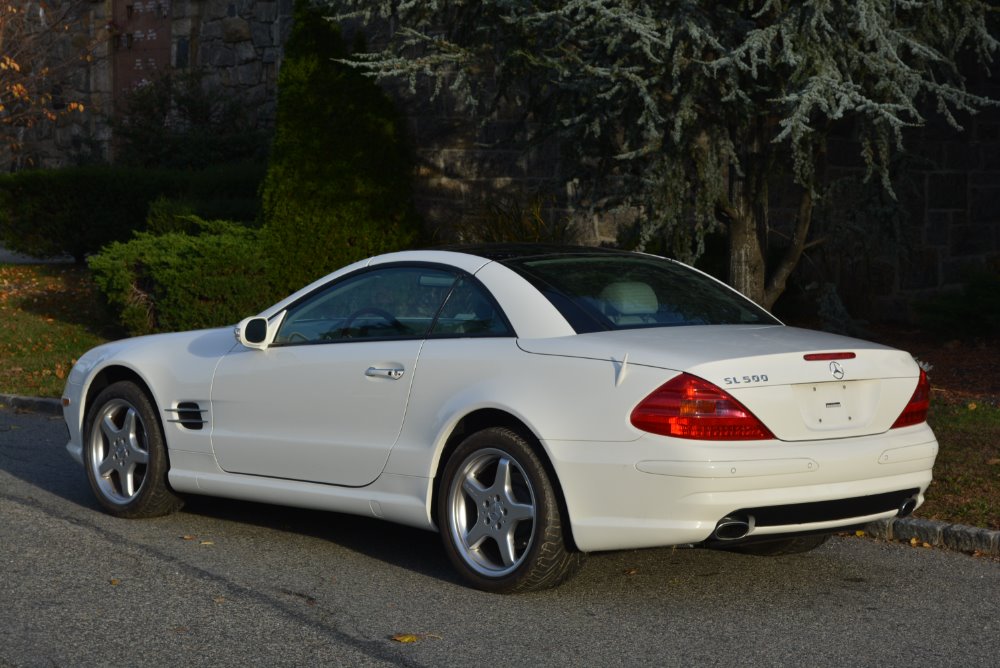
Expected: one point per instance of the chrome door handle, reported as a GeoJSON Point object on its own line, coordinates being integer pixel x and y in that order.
{"type": "Point", "coordinates": [394, 373]}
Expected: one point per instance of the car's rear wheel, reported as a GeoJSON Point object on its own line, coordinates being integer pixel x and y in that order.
{"type": "Point", "coordinates": [500, 518]}
{"type": "Point", "coordinates": [125, 454]}
{"type": "Point", "coordinates": [777, 548]}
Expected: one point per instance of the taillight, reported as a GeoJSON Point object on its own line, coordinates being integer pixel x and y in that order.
{"type": "Point", "coordinates": [689, 407]}
{"type": "Point", "coordinates": [916, 410]}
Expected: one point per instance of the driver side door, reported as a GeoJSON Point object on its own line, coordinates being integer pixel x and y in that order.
{"type": "Point", "coordinates": [325, 402]}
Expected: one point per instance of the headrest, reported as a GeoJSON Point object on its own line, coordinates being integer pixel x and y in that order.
{"type": "Point", "coordinates": [630, 298]}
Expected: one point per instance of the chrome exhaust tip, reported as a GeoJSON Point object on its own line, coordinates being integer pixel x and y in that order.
{"type": "Point", "coordinates": [907, 507]}
{"type": "Point", "coordinates": [733, 528]}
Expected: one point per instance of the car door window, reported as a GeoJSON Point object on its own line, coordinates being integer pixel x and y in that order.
{"type": "Point", "coordinates": [470, 312]}
{"type": "Point", "coordinates": [386, 303]}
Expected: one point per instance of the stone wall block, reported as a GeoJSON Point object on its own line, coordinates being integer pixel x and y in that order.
{"type": "Point", "coordinates": [218, 55]}
{"type": "Point", "coordinates": [181, 27]}
{"type": "Point", "coordinates": [270, 55]}
{"type": "Point", "coordinates": [211, 31]}
{"type": "Point", "coordinates": [922, 271]}
{"type": "Point", "coordinates": [249, 74]}
{"type": "Point", "coordinates": [985, 204]}
{"type": "Point", "coordinates": [958, 270]}
{"type": "Point", "coordinates": [972, 239]}
{"type": "Point", "coordinates": [262, 34]}
{"type": "Point", "coordinates": [963, 155]}
{"type": "Point", "coordinates": [947, 190]}
{"type": "Point", "coordinates": [245, 53]}
{"type": "Point", "coordinates": [235, 29]}
{"type": "Point", "coordinates": [265, 11]}
{"type": "Point", "coordinates": [217, 9]}
{"type": "Point", "coordinates": [938, 229]}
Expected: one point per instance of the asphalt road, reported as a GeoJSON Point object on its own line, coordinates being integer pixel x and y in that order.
{"type": "Point", "coordinates": [235, 584]}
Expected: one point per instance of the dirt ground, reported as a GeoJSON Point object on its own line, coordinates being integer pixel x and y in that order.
{"type": "Point", "coordinates": [958, 368]}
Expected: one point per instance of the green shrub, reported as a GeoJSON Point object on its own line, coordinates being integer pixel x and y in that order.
{"type": "Point", "coordinates": [210, 277]}
{"type": "Point", "coordinates": [338, 184]}
{"type": "Point", "coordinates": [78, 210]}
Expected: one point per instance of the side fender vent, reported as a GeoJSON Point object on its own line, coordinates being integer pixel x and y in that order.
{"type": "Point", "coordinates": [188, 414]}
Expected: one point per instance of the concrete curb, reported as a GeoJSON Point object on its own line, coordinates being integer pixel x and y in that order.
{"type": "Point", "coordinates": [34, 404]}
{"type": "Point", "coordinates": [957, 537]}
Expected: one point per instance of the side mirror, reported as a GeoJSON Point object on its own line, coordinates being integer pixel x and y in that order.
{"type": "Point", "coordinates": [253, 333]}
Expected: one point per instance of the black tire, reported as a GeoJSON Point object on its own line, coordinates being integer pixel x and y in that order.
{"type": "Point", "coordinates": [125, 455]}
{"type": "Point", "coordinates": [783, 546]}
{"type": "Point", "coordinates": [495, 490]}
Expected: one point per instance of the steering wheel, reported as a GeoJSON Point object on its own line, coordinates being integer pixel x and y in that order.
{"type": "Point", "coordinates": [371, 310]}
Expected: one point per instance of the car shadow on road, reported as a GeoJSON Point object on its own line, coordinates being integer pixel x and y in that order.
{"type": "Point", "coordinates": [400, 546]}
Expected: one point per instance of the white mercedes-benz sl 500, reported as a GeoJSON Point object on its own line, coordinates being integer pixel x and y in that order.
{"type": "Point", "coordinates": [530, 403]}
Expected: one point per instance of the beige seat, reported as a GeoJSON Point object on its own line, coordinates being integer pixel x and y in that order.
{"type": "Point", "coordinates": [629, 302]}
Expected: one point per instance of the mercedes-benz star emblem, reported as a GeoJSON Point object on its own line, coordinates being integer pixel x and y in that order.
{"type": "Point", "coordinates": [837, 370]}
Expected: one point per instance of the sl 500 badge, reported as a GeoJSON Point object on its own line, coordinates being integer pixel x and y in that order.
{"type": "Point", "coordinates": [745, 380]}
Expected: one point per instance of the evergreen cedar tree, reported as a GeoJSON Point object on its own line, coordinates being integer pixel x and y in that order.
{"type": "Point", "coordinates": [338, 183]}
{"type": "Point", "coordinates": [691, 109]}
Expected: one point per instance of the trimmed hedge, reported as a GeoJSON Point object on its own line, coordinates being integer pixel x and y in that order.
{"type": "Point", "coordinates": [78, 210]}
{"type": "Point", "coordinates": [338, 183]}
{"type": "Point", "coordinates": [211, 275]}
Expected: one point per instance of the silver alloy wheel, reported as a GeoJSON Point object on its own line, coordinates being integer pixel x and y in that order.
{"type": "Point", "coordinates": [491, 512]}
{"type": "Point", "coordinates": [119, 451]}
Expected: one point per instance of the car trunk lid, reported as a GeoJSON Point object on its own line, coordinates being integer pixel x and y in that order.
{"type": "Point", "coordinates": [846, 387]}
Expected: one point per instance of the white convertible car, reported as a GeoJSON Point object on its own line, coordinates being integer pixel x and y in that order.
{"type": "Point", "coordinates": [529, 403]}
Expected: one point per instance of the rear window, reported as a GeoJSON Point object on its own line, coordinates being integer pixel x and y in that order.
{"type": "Point", "coordinates": [606, 292]}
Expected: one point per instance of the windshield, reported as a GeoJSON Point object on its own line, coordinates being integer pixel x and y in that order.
{"type": "Point", "coordinates": [605, 292]}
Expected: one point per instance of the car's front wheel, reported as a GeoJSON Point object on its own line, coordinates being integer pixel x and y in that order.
{"type": "Point", "coordinates": [125, 454]}
{"type": "Point", "coordinates": [499, 515]}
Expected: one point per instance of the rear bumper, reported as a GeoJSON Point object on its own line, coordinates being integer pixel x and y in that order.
{"type": "Point", "coordinates": [659, 491]}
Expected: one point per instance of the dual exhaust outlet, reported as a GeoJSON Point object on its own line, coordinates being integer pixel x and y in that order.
{"type": "Point", "coordinates": [739, 526]}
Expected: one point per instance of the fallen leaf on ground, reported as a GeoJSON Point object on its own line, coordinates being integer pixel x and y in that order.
{"type": "Point", "coordinates": [114, 582]}
{"type": "Point", "coordinates": [631, 571]}
{"type": "Point", "coordinates": [414, 637]}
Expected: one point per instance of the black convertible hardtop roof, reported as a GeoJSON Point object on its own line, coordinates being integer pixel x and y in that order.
{"type": "Point", "coordinates": [517, 251]}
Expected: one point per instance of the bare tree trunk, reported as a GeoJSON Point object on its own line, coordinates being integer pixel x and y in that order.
{"type": "Point", "coordinates": [790, 259]}
{"type": "Point", "coordinates": [746, 258]}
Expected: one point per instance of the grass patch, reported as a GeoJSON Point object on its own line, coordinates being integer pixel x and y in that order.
{"type": "Point", "coordinates": [51, 315]}
{"type": "Point", "coordinates": [966, 486]}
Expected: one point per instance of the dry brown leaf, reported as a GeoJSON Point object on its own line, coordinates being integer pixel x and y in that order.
{"type": "Point", "coordinates": [859, 533]}
{"type": "Point", "coordinates": [406, 637]}
{"type": "Point", "coordinates": [631, 571]}
{"type": "Point", "coordinates": [207, 542]}
{"type": "Point", "coordinates": [114, 582]}
{"type": "Point", "coordinates": [188, 537]}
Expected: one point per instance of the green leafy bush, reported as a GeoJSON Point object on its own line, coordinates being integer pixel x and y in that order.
{"type": "Point", "coordinates": [178, 280]}
{"type": "Point", "coordinates": [338, 184]}
{"type": "Point", "coordinates": [78, 210]}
